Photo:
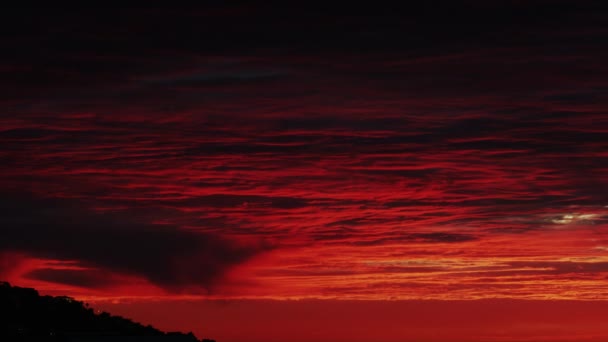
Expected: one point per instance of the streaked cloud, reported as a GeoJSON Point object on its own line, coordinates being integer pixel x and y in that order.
{"type": "Point", "coordinates": [451, 165]}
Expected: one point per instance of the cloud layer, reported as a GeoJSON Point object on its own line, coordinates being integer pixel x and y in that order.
{"type": "Point", "coordinates": [92, 246]}
{"type": "Point", "coordinates": [390, 157]}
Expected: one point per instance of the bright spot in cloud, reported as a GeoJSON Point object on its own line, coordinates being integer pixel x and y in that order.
{"type": "Point", "coordinates": [573, 218]}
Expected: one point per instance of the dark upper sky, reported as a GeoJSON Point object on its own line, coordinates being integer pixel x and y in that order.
{"type": "Point", "coordinates": [54, 48]}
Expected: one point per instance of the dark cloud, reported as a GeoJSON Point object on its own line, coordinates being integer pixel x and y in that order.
{"type": "Point", "coordinates": [436, 237]}
{"type": "Point", "coordinates": [231, 201]}
{"type": "Point", "coordinates": [444, 237]}
{"type": "Point", "coordinates": [82, 277]}
{"type": "Point", "coordinates": [165, 255]}
{"type": "Point", "coordinates": [562, 267]}
{"type": "Point", "coordinates": [218, 78]}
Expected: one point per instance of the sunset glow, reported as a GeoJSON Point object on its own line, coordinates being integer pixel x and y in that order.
{"type": "Point", "coordinates": [417, 178]}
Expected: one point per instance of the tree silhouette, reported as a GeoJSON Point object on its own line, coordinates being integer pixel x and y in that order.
{"type": "Point", "coordinates": [27, 316]}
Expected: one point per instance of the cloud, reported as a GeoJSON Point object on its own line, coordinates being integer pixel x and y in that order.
{"type": "Point", "coordinates": [196, 131]}
{"type": "Point", "coordinates": [562, 267]}
{"type": "Point", "coordinates": [87, 278]}
{"type": "Point", "coordinates": [444, 237]}
{"type": "Point", "coordinates": [434, 237]}
{"type": "Point", "coordinates": [165, 255]}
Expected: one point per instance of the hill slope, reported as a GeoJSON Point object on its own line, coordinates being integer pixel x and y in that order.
{"type": "Point", "coordinates": [27, 316]}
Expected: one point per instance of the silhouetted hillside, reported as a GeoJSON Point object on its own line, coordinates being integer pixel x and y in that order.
{"type": "Point", "coordinates": [27, 316]}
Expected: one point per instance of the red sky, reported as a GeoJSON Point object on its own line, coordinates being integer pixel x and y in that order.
{"type": "Point", "coordinates": [296, 175]}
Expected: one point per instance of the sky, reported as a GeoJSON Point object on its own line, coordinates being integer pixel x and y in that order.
{"type": "Point", "coordinates": [432, 172]}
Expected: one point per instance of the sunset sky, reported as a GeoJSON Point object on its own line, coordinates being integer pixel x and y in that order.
{"type": "Point", "coordinates": [434, 172]}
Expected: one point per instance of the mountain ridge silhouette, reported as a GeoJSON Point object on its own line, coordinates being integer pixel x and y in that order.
{"type": "Point", "coordinates": [26, 316]}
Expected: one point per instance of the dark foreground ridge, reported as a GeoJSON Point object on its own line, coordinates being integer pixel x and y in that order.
{"type": "Point", "coordinates": [27, 316]}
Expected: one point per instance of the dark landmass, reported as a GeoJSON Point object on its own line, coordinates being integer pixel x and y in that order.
{"type": "Point", "coordinates": [27, 316]}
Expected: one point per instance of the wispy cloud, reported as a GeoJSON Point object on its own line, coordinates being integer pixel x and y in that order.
{"type": "Point", "coordinates": [476, 158]}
